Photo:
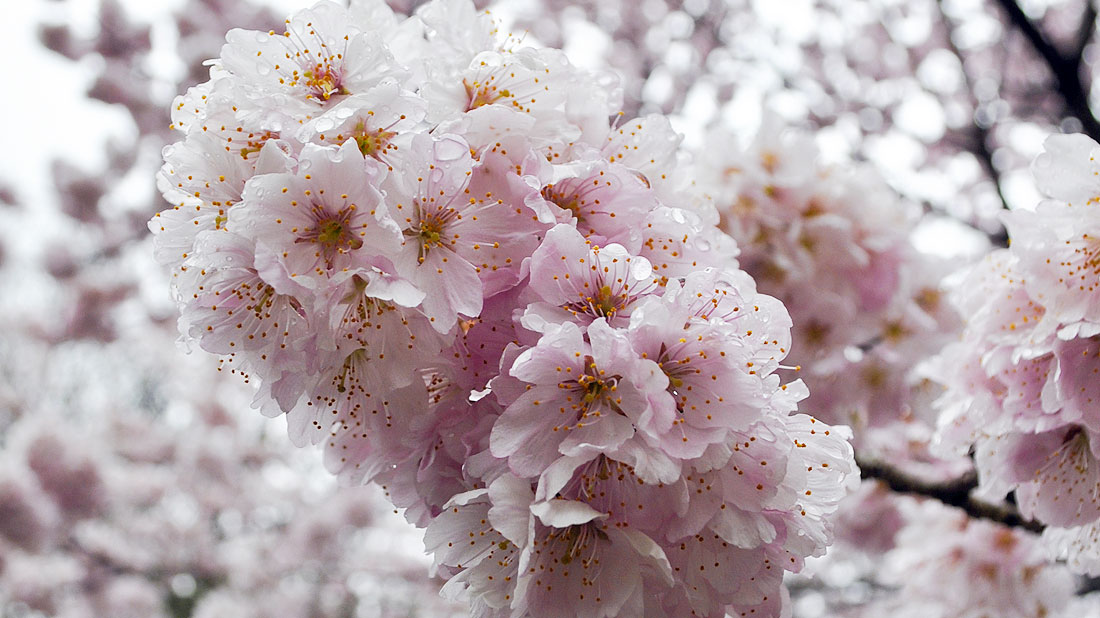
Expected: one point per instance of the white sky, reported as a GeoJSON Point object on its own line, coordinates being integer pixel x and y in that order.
{"type": "Point", "coordinates": [43, 111]}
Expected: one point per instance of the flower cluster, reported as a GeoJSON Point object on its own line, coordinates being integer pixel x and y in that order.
{"type": "Point", "coordinates": [127, 492]}
{"type": "Point", "coordinates": [143, 518]}
{"type": "Point", "coordinates": [833, 242]}
{"type": "Point", "coordinates": [444, 264]}
{"type": "Point", "coordinates": [974, 568]}
{"type": "Point", "coordinates": [1021, 385]}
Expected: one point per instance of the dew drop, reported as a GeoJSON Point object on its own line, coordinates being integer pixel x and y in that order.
{"type": "Point", "coordinates": [450, 148]}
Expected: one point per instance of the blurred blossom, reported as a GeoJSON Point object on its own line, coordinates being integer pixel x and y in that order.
{"type": "Point", "coordinates": [954, 76]}
{"type": "Point", "coordinates": [125, 490]}
{"type": "Point", "coordinates": [973, 568]}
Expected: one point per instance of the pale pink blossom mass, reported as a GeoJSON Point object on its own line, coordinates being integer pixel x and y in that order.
{"type": "Point", "coordinates": [447, 261]}
{"type": "Point", "coordinates": [1021, 385]}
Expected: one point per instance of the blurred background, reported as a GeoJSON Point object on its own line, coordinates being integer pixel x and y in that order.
{"type": "Point", "coordinates": [134, 478]}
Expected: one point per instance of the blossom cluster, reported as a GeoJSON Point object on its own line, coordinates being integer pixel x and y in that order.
{"type": "Point", "coordinates": [1021, 385]}
{"type": "Point", "coordinates": [834, 243]}
{"type": "Point", "coordinates": [149, 519]}
{"type": "Point", "coordinates": [447, 261]}
{"type": "Point", "coordinates": [127, 492]}
{"type": "Point", "coordinates": [907, 555]}
{"type": "Point", "coordinates": [975, 568]}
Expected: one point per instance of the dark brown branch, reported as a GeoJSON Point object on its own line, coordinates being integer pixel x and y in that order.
{"type": "Point", "coordinates": [952, 493]}
{"type": "Point", "coordinates": [1066, 69]}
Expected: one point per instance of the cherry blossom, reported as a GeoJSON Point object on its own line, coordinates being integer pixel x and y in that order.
{"type": "Point", "coordinates": [452, 269]}
{"type": "Point", "coordinates": [1020, 385]}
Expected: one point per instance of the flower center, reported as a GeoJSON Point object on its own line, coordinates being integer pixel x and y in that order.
{"type": "Point", "coordinates": [578, 538]}
{"type": "Point", "coordinates": [604, 303]}
{"type": "Point", "coordinates": [322, 82]}
{"type": "Point", "coordinates": [566, 200]}
{"type": "Point", "coordinates": [341, 378]}
{"type": "Point", "coordinates": [478, 94]}
{"type": "Point", "coordinates": [674, 369]}
{"type": "Point", "coordinates": [373, 143]}
{"type": "Point", "coordinates": [429, 233]}
{"type": "Point", "coordinates": [263, 304]}
{"type": "Point", "coordinates": [256, 141]}
{"type": "Point", "coordinates": [332, 234]}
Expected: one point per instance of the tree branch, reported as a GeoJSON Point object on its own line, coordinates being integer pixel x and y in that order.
{"type": "Point", "coordinates": [952, 493]}
{"type": "Point", "coordinates": [1066, 70]}
{"type": "Point", "coordinates": [979, 133]}
{"type": "Point", "coordinates": [1084, 33]}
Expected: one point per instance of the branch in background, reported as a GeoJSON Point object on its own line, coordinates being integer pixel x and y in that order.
{"type": "Point", "coordinates": [979, 132]}
{"type": "Point", "coordinates": [952, 493]}
{"type": "Point", "coordinates": [1066, 69]}
{"type": "Point", "coordinates": [1084, 33]}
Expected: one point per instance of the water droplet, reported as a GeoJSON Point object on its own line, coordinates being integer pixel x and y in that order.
{"type": "Point", "coordinates": [640, 268]}
{"type": "Point", "coordinates": [450, 148]}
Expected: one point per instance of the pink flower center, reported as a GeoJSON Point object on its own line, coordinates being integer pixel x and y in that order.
{"type": "Point", "coordinates": [332, 233]}
{"type": "Point", "coordinates": [430, 230]}
{"type": "Point", "coordinates": [576, 540]}
{"type": "Point", "coordinates": [322, 81]}
{"type": "Point", "coordinates": [566, 200]}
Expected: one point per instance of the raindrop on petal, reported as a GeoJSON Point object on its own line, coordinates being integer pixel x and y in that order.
{"type": "Point", "coordinates": [450, 148]}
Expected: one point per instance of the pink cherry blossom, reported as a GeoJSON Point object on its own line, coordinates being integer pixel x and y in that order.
{"type": "Point", "coordinates": [453, 272]}
{"type": "Point", "coordinates": [583, 282]}
{"type": "Point", "coordinates": [595, 394]}
{"type": "Point", "coordinates": [322, 57]}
